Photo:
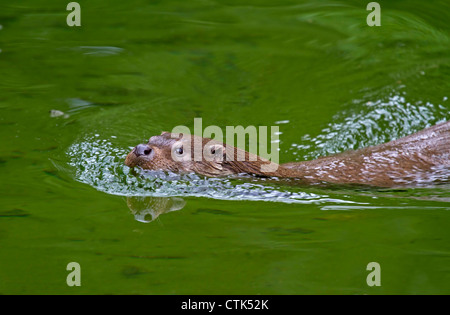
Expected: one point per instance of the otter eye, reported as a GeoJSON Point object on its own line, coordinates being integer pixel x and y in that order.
{"type": "Point", "coordinates": [215, 149]}
{"type": "Point", "coordinates": [179, 151]}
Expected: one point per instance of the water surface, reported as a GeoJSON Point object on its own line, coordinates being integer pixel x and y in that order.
{"type": "Point", "coordinates": [74, 100]}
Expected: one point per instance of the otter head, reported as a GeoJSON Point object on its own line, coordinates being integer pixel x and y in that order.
{"type": "Point", "coordinates": [184, 153]}
{"type": "Point", "coordinates": [180, 153]}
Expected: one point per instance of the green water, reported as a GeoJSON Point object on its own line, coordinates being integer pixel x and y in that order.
{"type": "Point", "coordinates": [135, 68]}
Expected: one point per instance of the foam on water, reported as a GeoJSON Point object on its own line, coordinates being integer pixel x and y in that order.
{"type": "Point", "coordinates": [99, 164]}
{"type": "Point", "coordinates": [377, 121]}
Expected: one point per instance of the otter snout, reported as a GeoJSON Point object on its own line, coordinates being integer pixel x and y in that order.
{"type": "Point", "coordinates": [142, 149]}
{"type": "Point", "coordinates": [139, 154]}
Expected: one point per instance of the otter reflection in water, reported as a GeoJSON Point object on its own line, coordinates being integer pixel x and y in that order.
{"type": "Point", "coordinates": [419, 159]}
{"type": "Point", "coordinates": [147, 209]}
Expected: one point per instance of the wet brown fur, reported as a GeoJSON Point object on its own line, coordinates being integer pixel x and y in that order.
{"type": "Point", "coordinates": [423, 157]}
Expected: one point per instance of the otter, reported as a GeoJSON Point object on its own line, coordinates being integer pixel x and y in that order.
{"type": "Point", "coordinates": [417, 159]}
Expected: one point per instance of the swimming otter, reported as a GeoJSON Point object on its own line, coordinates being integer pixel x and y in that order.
{"type": "Point", "coordinates": [420, 158]}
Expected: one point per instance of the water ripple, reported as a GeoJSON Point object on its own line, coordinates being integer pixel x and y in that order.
{"type": "Point", "coordinates": [98, 163]}
{"type": "Point", "coordinates": [378, 121]}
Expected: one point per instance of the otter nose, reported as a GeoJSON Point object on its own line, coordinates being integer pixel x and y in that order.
{"type": "Point", "coordinates": [142, 149]}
